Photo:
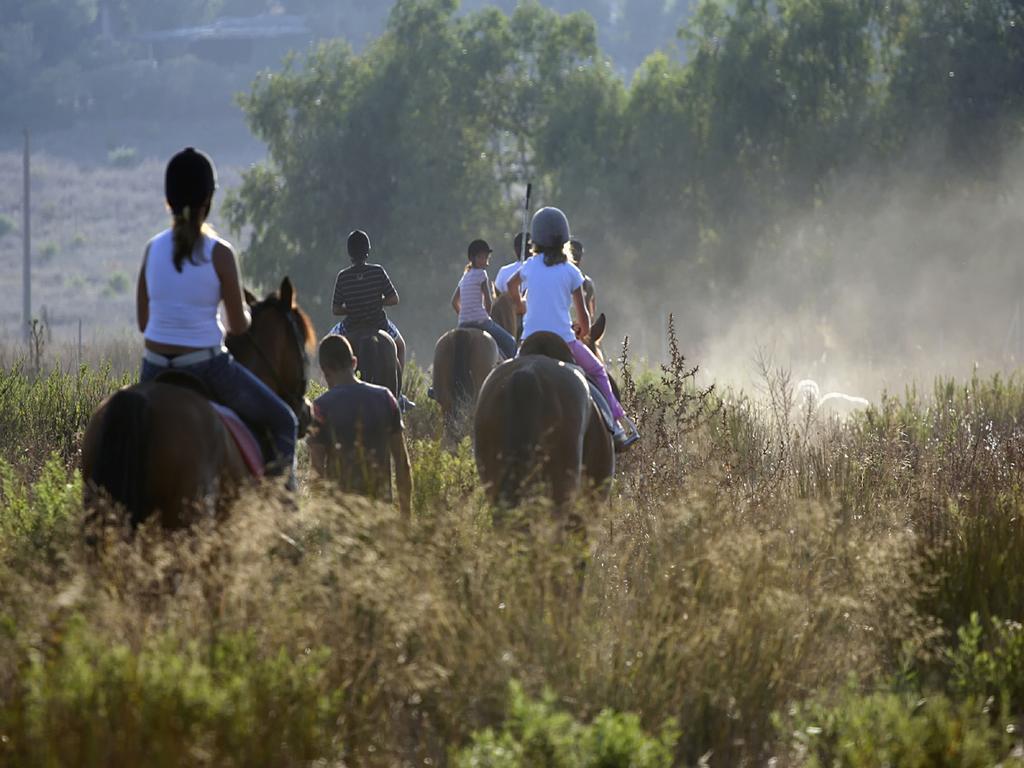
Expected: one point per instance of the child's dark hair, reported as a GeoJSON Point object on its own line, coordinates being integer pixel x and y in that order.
{"type": "Point", "coordinates": [335, 353]}
{"type": "Point", "coordinates": [552, 256]}
{"type": "Point", "coordinates": [189, 183]}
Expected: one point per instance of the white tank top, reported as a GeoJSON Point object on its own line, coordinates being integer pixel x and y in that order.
{"type": "Point", "coordinates": [471, 297]}
{"type": "Point", "coordinates": [183, 305]}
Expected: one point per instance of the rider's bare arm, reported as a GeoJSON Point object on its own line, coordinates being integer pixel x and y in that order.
{"type": "Point", "coordinates": [456, 301]}
{"type": "Point", "coordinates": [403, 473]}
{"type": "Point", "coordinates": [392, 300]}
{"type": "Point", "coordinates": [226, 266]}
{"type": "Point", "coordinates": [142, 296]}
{"type": "Point", "coordinates": [582, 315]}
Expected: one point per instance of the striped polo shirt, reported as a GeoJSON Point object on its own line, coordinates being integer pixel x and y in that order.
{"type": "Point", "coordinates": [362, 288]}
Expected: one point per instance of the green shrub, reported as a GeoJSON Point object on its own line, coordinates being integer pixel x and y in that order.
{"type": "Point", "coordinates": [441, 478]}
{"type": "Point", "coordinates": [89, 702]}
{"type": "Point", "coordinates": [902, 730]}
{"type": "Point", "coordinates": [536, 735]}
{"type": "Point", "coordinates": [989, 664]}
{"type": "Point", "coordinates": [45, 414]}
{"type": "Point", "coordinates": [38, 521]}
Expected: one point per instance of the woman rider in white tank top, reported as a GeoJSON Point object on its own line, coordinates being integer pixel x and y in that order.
{"type": "Point", "coordinates": [187, 271]}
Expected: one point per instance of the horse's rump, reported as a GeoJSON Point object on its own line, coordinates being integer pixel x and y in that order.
{"type": "Point", "coordinates": [157, 447]}
{"type": "Point", "coordinates": [463, 357]}
{"type": "Point", "coordinates": [377, 358]}
{"type": "Point", "coordinates": [530, 421]}
{"type": "Point", "coordinates": [120, 463]}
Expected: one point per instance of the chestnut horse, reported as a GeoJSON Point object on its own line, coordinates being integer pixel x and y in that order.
{"type": "Point", "coordinates": [536, 424]}
{"type": "Point", "coordinates": [160, 448]}
{"type": "Point", "coordinates": [462, 359]}
{"type": "Point", "coordinates": [503, 312]}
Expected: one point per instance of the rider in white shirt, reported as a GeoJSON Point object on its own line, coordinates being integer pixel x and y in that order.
{"type": "Point", "coordinates": [506, 272]}
{"type": "Point", "coordinates": [554, 285]}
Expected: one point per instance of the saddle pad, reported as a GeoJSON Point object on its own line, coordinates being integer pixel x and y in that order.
{"type": "Point", "coordinates": [243, 437]}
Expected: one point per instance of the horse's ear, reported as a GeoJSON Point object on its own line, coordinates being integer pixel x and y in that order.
{"type": "Point", "coordinates": [287, 292]}
{"type": "Point", "coordinates": [597, 328]}
{"type": "Point", "coordinates": [249, 298]}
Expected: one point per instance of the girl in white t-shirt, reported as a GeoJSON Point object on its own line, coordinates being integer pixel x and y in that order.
{"type": "Point", "coordinates": [554, 285]}
{"type": "Point", "coordinates": [472, 299]}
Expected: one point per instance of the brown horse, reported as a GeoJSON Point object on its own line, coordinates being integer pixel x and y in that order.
{"type": "Point", "coordinates": [503, 312]}
{"type": "Point", "coordinates": [536, 424]}
{"type": "Point", "coordinates": [159, 447]}
{"type": "Point", "coordinates": [462, 359]}
{"type": "Point", "coordinates": [377, 359]}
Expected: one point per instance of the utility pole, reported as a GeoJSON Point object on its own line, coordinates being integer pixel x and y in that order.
{"type": "Point", "coordinates": [26, 295]}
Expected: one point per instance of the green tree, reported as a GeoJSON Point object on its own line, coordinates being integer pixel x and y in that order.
{"type": "Point", "coordinates": [420, 141]}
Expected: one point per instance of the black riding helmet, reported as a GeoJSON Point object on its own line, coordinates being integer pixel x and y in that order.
{"type": "Point", "coordinates": [358, 245]}
{"type": "Point", "coordinates": [190, 179]}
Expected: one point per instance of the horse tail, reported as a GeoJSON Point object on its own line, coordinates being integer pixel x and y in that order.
{"type": "Point", "coordinates": [462, 380]}
{"type": "Point", "coordinates": [120, 466]}
{"type": "Point", "coordinates": [522, 433]}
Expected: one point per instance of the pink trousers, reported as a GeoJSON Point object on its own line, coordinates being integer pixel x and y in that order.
{"type": "Point", "coordinates": [591, 366]}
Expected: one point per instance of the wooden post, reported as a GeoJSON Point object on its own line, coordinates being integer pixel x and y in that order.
{"type": "Point", "coordinates": [79, 344]}
{"type": "Point", "coordinates": [26, 278]}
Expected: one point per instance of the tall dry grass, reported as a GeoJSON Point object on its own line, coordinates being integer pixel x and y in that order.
{"type": "Point", "coordinates": [766, 580]}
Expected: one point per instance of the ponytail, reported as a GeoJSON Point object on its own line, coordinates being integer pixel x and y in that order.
{"type": "Point", "coordinates": [552, 256]}
{"type": "Point", "coordinates": [185, 233]}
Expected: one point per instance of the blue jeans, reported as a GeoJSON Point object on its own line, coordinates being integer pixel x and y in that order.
{"type": "Point", "coordinates": [234, 385]}
{"type": "Point", "coordinates": [388, 327]}
{"type": "Point", "coordinates": [506, 341]}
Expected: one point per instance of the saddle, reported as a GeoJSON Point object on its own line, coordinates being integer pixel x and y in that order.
{"type": "Point", "coordinates": [253, 450]}
{"type": "Point", "coordinates": [550, 345]}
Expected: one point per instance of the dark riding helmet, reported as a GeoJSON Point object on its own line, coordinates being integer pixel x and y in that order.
{"type": "Point", "coordinates": [549, 228]}
{"type": "Point", "coordinates": [190, 179]}
{"type": "Point", "coordinates": [358, 244]}
{"type": "Point", "coordinates": [478, 247]}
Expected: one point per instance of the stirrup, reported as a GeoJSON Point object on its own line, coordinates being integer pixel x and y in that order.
{"type": "Point", "coordinates": [621, 439]}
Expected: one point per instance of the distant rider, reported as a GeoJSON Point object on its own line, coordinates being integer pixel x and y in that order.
{"type": "Point", "coordinates": [472, 299]}
{"type": "Point", "coordinates": [186, 272]}
{"type": "Point", "coordinates": [589, 294]}
{"type": "Point", "coordinates": [360, 294]}
{"type": "Point", "coordinates": [506, 272]}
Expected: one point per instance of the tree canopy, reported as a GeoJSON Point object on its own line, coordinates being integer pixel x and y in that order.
{"type": "Point", "coordinates": [427, 138]}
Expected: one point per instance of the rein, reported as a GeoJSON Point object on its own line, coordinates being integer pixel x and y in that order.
{"type": "Point", "coordinates": [294, 401]}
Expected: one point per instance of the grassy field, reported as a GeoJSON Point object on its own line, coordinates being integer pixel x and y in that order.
{"type": "Point", "coordinates": [765, 587]}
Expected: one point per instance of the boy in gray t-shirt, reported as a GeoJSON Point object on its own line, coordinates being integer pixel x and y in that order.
{"type": "Point", "coordinates": [358, 430]}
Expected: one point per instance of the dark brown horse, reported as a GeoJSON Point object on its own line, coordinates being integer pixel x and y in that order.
{"type": "Point", "coordinates": [537, 426]}
{"type": "Point", "coordinates": [160, 447]}
{"type": "Point", "coordinates": [377, 359]}
{"type": "Point", "coordinates": [462, 359]}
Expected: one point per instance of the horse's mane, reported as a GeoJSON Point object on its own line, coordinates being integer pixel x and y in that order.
{"type": "Point", "coordinates": [305, 324]}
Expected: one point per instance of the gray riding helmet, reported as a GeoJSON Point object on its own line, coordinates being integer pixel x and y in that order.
{"type": "Point", "coordinates": [549, 228]}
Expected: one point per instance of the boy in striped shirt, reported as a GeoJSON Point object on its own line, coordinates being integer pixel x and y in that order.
{"type": "Point", "coordinates": [360, 294]}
